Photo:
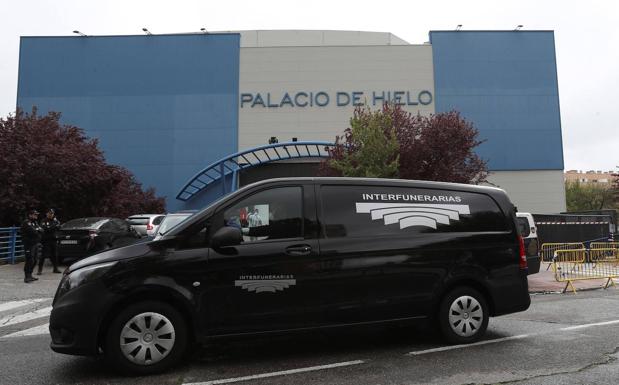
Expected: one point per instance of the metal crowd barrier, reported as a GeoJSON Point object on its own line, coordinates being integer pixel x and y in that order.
{"type": "Point", "coordinates": [583, 264]}
{"type": "Point", "coordinates": [547, 251]}
{"type": "Point", "coordinates": [11, 248]}
{"type": "Point", "coordinates": [604, 245]}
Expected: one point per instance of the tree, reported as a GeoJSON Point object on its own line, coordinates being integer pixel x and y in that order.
{"type": "Point", "coordinates": [615, 188]}
{"type": "Point", "coordinates": [438, 147]}
{"type": "Point", "coordinates": [588, 196]}
{"type": "Point", "coordinates": [44, 164]}
{"type": "Point", "coordinates": [369, 147]}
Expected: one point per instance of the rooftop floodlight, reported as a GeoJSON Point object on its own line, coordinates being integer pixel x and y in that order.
{"type": "Point", "coordinates": [146, 31]}
{"type": "Point", "coordinates": [518, 27]}
{"type": "Point", "coordinates": [459, 27]}
{"type": "Point", "coordinates": [203, 30]}
{"type": "Point", "coordinates": [79, 33]}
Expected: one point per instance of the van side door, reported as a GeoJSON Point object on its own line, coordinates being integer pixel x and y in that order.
{"type": "Point", "coordinates": [269, 281]}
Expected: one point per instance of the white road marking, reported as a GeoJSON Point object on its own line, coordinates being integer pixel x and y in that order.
{"type": "Point", "coordinates": [454, 347]}
{"type": "Point", "coordinates": [281, 373]}
{"type": "Point", "coordinates": [11, 320]}
{"type": "Point", "coordinates": [15, 304]}
{"type": "Point", "coordinates": [590, 325]}
{"type": "Point", "coordinates": [35, 331]}
{"type": "Point", "coordinates": [510, 338]}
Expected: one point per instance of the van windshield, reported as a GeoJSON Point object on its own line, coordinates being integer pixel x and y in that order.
{"type": "Point", "coordinates": [172, 220]}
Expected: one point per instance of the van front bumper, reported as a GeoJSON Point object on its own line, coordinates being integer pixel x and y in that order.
{"type": "Point", "coordinates": [75, 320]}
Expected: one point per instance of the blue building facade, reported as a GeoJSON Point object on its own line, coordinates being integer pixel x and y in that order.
{"type": "Point", "coordinates": [162, 105]}
{"type": "Point", "coordinates": [167, 106]}
{"type": "Point", "coordinates": [506, 83]}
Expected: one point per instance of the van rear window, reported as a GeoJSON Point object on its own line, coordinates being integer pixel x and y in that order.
{"type": "Point", "coordinates": [523, 227]}
{"type": "Point", "coordinates": [360, 211]}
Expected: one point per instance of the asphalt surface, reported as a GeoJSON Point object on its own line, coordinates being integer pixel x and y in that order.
{"type": "Point", "coordinates": [561, 339]}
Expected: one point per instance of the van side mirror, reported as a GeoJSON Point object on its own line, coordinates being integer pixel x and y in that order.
{"type": "Point", "coordinates": [226, 236]}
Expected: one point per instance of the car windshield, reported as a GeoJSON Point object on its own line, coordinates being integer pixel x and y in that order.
{"type": "Point", "coordinates": [172, 220]}
{"type": "Point", "coordinates": [138, 220]}
{"type": "Point", "coordinates": [83, 223]}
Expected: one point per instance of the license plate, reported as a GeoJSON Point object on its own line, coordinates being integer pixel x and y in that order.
{"type": "Point", "coordinates": [68, 242]}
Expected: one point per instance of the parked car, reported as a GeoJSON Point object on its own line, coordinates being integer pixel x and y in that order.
{"type": "Point", "coordinates": [527, 228]}
{"type": "Point", "coordinates": [172, 220]}
{"type": "Point", "coordinates": [146, 224]}
{"type": "Point", "coordinates": [297, 254]}
{"type": "Point", "coordinates": [82, 237]}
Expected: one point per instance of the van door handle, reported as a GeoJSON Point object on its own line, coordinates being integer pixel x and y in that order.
{"type": "Point", "coordinates": [298, 250]}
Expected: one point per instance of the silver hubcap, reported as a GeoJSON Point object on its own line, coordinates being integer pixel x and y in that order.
{"type": "Point", "coordinates": [147, 338]}
{"type": "Point", "coordinates": [465, 316]}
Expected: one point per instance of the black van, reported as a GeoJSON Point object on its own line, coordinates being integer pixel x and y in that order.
{"type": "Point", "coordinates": [296, 254]}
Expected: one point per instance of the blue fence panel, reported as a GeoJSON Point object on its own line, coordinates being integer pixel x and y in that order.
{"type": "Point", "coordinates": [11, 247]}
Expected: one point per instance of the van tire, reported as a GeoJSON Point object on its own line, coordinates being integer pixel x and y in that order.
{"type": "Point", "coordinates": [463, 315]}
{"type": "Point", "coordinates": [164, 350]}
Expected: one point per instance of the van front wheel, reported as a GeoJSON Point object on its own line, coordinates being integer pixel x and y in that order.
{"type": "Point", "coordinates": [145, 338]}
{"type": "Point", "coordinates": [463, 315]}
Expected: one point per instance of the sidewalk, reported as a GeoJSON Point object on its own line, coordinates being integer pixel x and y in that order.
{"type": "Point", "coordinates": [13, 288]}
{"type": "Point", "coordinates": [544, 282]}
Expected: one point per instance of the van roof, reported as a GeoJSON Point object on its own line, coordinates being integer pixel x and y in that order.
{"type": "Point", "coordinates": [392, 182]}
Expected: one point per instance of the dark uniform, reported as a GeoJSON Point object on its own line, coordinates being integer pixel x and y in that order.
{"type": "Point", "coordinates": [50, 227]}
{"type": "Point", "coordinates": [31, 235]}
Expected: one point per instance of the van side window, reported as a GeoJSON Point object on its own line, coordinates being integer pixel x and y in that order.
{"type": "Point", "coordinates": [370, 211]}
{"type": "Point", "coordinates": [269, 214]}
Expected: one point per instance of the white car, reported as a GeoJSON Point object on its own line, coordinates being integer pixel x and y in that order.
{"type": "Point", "coordinates": [146, 224]}
{"type": "Point", "coordinates": [526, 226]}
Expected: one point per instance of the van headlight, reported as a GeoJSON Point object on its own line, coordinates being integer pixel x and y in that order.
{"type": "Point", "coordinates": [81, 276]}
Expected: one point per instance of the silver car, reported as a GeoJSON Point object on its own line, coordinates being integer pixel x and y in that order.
{"type": "Point", "coordinates": [146, 224]}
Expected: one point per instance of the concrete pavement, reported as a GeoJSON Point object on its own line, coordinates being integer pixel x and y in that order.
{"type": "Point", "coordinates": [12, 286]}
{"type": "Point", "coordinates": [561, 339]}
{"type": "Point", "coordinates": [544, 282]}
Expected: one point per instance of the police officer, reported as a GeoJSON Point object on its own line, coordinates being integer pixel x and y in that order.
{"type": "Point", "coordinates": [31, 235]}
{"type": "Point", "coordinates": [50, 224]}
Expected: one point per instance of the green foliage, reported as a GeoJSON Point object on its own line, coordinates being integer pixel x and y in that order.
{"type": "Point", "coordinates": [588, 196]}
{"type": "Point", "coordinates": [372, 147]}
{"type": "Point", "coordinates": [393, 143]}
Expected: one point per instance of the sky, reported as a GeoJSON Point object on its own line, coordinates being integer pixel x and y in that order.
{"type": "Point", "coordinates": [586, 38]}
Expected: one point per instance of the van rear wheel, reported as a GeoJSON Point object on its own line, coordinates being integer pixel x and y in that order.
{"type": "Point", "coordinates": [147, 337]}
{"type": "Point", "coordinates": [463, 315]}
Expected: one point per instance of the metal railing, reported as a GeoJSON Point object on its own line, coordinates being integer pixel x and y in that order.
{"type": "Point", "coordinates": [547, 251]}
{"type": "Point", "coordinates": [11, 248]}
{"type": "Point", "coordinates": [571, 265]}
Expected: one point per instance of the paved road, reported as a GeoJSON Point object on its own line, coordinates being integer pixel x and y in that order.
{"type": "Point", "coordinates": [561, 339]}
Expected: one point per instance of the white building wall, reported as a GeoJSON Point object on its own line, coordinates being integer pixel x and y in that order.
{"type": "Point", "coordinates": [300, 38]}
{"type": "Point", "coordinates": [538, 191]}
{"type": "Point", "coordinates": [273, 71]}
{"type": "Point", "coordinates": [275, 62]}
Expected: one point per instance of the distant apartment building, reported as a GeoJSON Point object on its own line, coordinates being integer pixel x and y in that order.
{"type": "Point", "coordinates": [591, 176]}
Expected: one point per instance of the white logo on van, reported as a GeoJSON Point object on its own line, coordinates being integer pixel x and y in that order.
{"type": "Point", "coordinates": [265, 283]}
{"type": "Point", "coordinates": [413, 214]}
